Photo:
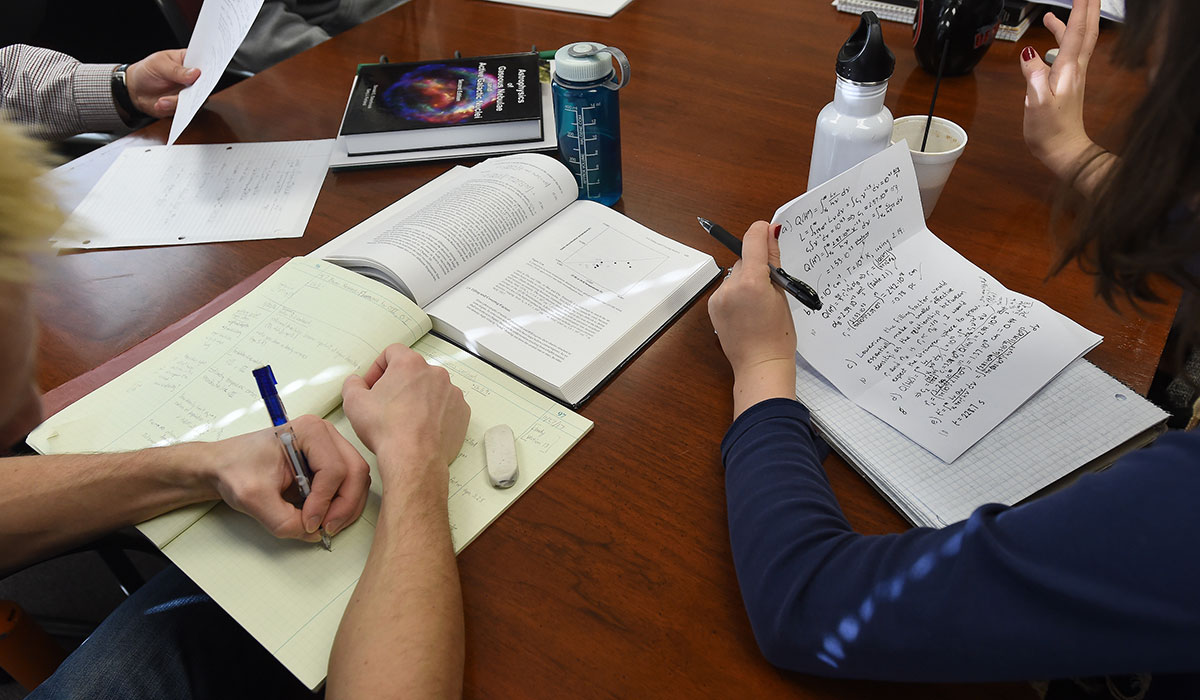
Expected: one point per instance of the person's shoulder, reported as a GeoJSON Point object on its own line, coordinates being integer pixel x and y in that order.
{"type": "Point", "coordinates": [1161, 478]}
{"type": "Point", "coordinates": [1176, 452]}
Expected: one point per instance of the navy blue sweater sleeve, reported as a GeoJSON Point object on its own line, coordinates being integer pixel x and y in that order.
{"type": "Point", "coordinates": [1100, 578]}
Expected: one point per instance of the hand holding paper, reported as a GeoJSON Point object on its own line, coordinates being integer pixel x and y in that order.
{"type": "Point", "coordinates": [155, 81]}
{"type": "Point", "coordinates": [220, 29]}
{"type": "Point", "coordinates": [910, 330]}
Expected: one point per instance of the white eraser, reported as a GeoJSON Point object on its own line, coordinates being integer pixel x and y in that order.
{"type": "Point", "coordinates": [500, 448]}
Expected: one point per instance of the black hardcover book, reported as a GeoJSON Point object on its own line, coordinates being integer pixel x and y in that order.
{"type": "Point", "coordinates": [441, 104]}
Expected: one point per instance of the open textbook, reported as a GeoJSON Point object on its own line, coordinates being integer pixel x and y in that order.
{"type": "Point", "coordinates": [559, 293]}
{"type": "Point", "coordinates": [314, 323]}
{"type": "Point", "coordinates": [910, 330]}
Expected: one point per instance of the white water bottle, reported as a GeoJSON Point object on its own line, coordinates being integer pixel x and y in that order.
{"type": "Point", "coordinates": [856, 125]}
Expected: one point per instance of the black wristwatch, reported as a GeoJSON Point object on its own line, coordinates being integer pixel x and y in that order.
{"type": "Point", "coordinates": [130, 114]}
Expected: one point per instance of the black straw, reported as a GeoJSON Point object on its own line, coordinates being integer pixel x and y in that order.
{"type": "Point", "coordinates": [936, 84]}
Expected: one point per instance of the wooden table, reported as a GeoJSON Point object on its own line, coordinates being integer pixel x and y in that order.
{"type": "Point", "coordinates": [612, 577]}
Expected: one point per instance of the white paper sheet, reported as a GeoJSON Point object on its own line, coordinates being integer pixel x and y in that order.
{"type": "Point", "coordinates": [178, 195]}
{"type": "Point", "coordinates": [72, 180]}
{"type": "Point", "coordinates": [220, 30]}
{"type": "Point", "coordinates": [910, 330]}
{"type": "Point", "coordinates": [598, 8]}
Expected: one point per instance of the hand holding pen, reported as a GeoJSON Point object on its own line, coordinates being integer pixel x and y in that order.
{"type": "Point", "coordinates": [797, 288]}
{"type": "Point", "coordinates": [754, 324]}
{"type": "Point", "coordinates": [332, 497]}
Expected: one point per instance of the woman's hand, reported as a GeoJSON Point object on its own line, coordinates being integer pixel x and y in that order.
{"type": "Point", "coordinates": [1053, 122]}
{"type": "Point", "coordinates": [754, 324]}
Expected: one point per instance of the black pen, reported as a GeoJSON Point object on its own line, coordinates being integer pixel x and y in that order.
{"type": "Point", "coordinates": [804, 294]}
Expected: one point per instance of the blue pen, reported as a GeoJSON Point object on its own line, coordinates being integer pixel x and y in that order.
{"type": "Point", "coordinates": [287, 437]}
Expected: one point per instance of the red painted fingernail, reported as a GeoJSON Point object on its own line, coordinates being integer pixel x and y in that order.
{"type": "Point", "coordinates": [1028, 53]}
{"type": "Point", "coordinates": [775, 230]}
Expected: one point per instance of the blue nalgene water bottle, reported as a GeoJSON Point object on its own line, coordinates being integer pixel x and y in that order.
{"type": "Point", "coordinates": [589, 116]}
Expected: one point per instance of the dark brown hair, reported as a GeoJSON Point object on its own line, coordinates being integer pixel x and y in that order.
{"type": "Point", "coordinates": [1142, 220]}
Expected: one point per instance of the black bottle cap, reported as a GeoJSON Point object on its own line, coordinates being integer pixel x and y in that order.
{"type": "Point", "coordinates": [864, 57]}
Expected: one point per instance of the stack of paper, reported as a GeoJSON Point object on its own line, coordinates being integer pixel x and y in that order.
{"type": "Point", "coordinates": [1082, 419]}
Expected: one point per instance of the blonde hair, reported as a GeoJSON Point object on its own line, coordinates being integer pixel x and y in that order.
{"type": "Point", "coordinates": [28, 211]}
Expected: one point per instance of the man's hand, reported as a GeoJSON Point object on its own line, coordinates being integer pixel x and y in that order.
{"type": "Point", "coordinates": [253, 476]}
{"type": "Point", "coordinates": [402, 632]}
{"type": "Point", "coordinates": [1053, 122]}
{"type": "Point", "coordinates": [155, 81]}
{"type": "Point", "coordinates": [409, 414]}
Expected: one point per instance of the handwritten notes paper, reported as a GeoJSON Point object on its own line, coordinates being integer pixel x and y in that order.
{"type": "Point", "coordinates": [178, 195]}
{"type": "Point", "coordinates": [910, 330]}
{"type": "Point", "coordinates": [220, 29]}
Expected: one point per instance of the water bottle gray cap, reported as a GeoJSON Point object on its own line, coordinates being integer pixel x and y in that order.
{"type": "Point", "coordinates": [588, 61]}
{"type": "Point", "coordinates": [864, 58]}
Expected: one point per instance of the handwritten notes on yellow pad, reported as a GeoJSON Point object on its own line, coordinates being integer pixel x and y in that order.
{"type": "Point", "coordinates": [201, 387]}
{"type": "Point", "coordinates": [314, 323]}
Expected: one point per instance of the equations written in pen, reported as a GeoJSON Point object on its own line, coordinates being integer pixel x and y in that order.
{"type": "Point", "coordinates": [910, 330]}
{"type": "Point", "coordinates": [179, 195]}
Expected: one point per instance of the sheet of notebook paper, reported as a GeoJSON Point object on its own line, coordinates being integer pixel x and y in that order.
{"type": "Point", "coordinates": [179, 195]}
{"type": "Point", "coordinates": [911, 330]}
{"type": "Point", "coordinates": [221, 27]}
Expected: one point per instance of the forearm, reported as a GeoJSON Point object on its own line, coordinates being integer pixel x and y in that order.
{"type": "Point", "coordinates": [1082, 582]}
{"type": "Point", "coordinates": [1091, 174]}
{"type": "Point", "coordinates": [765, 380]}
{"type": "Point", "coordinates": [55, 94]}
{"type": "Point", "coordinates": [50, 503]}
{"type": "Point", "coordinates": [1083, 167]}
{"type": "Point", "coordinates": [402, 633]}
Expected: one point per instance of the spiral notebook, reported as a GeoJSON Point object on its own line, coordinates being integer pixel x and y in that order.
{"type": "Point", "coordinates": [1083, 420]}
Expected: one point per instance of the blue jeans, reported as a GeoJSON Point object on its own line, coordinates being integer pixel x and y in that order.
{"type": "Point", "coordinates": [169, 640]}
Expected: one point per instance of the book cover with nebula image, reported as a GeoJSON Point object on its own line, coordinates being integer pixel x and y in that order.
{"type": "Point", "coordinates": [429, 94]}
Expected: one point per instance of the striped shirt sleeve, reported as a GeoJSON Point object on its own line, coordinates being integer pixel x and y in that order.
{"type": "Point", "coordinates": [54, 94]}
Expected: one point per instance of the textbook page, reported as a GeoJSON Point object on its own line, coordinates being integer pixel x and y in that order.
{"type": "Point", "coordinates": [180, 195]}
{"type": "Point", "coordinates": [432, 240]}
{"type": "Point", "coordinates": [220, 29]}
{"type": "Point", "coordinates": [910, 330]}
{"type": "Point", "coordinates": [290, 595]}
{"type": "Point", "coordinates": [573, 299]}
{"type": "Point", "coordinates": [201, 387]}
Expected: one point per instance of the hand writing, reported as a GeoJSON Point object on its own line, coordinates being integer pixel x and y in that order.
{"type": "Point", "coordinates": [253, 477]}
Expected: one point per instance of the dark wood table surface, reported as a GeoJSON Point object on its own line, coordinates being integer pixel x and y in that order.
{"type": "Point", "coordinates": [612, 577]}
